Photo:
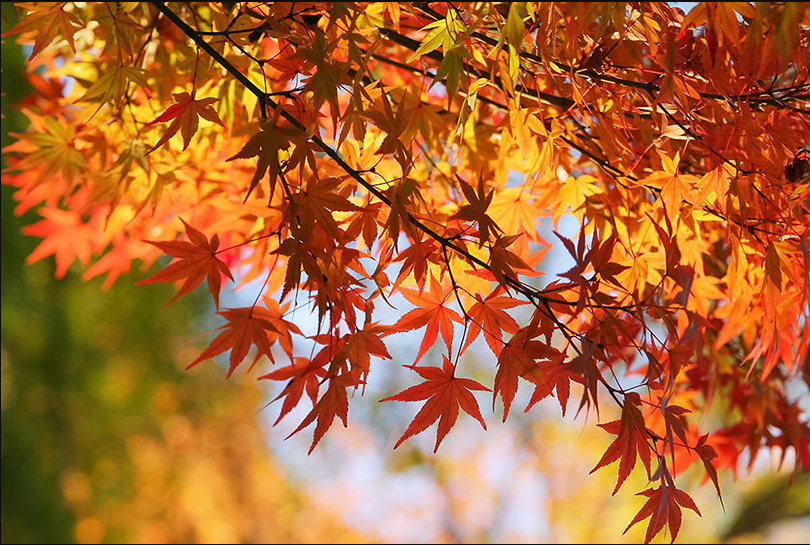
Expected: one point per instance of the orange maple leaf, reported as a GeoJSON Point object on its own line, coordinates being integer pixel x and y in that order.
{"type": "Point", "coordinates": [430, 311]}
{"type": "Point", "coordinates": [477, 210]}
{"type": "Point", "coordinates": [489, 315]}
{"type": "Point", "coordinates": [445, 394]}
{"type": "Point", "coordinates": [47, 20]}
{"type": "Point", "coordinates": [197, 260]}
{"type": "Point", "coordinates": [115, 262]}
{"type": "Point", "coordinates": [362, 345]}
{"type": "Point", "coordinates": [65, 236]}
{"type": "Point", "coordinates": [415, 258]}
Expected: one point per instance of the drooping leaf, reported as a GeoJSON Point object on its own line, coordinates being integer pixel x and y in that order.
{"type": "Point", "coordinates": [333, 403]}
{"type": "Point", "coordinates": [632, 439]}
{"type": "Point", "coordinates": [663, 506]}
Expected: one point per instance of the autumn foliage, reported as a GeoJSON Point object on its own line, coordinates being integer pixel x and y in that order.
{"type": "Point", "coordinates": [350, 156]}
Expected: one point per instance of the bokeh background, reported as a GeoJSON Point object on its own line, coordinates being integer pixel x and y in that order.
{"type": "Point", "coordinates": [105, 438]}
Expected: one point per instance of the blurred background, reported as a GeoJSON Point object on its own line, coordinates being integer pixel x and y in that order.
{"type": "Point", "coordinates": [106, 439]}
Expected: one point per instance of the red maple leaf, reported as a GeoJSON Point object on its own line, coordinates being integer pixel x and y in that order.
{"type": "Point", "coordinates": [197, 260]}
{"type": "Point", "coordinates": [707, 453]}
{"type": "Point", "coordinates": [430, 311]}
{"type": "Point", "coordinates": [519, 358]}
{"type": "Point", "coordinates": [632, 439]}
{"type": "Point", "coordinates": [415, 258]}
{"type": "Point", "coordinates": [445, 394]}
{"type": "Point", "coordinates": [362, 345]}
{"type": "Point", "coordinates": [300, 376]}
{"type": "Point", "coordinates": [334, 402]}
{"type": "Point", "coordinates": [664, 506]}
{"type": "Point", "coordinates": [319, 200]}
{"type": "Point", "coordinates": [557, 375]}
{"type": "Point", "coordinates": [246, 327]}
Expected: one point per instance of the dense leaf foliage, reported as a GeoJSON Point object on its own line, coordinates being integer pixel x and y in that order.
{"type": "Point", "coordinates": [351, 155]}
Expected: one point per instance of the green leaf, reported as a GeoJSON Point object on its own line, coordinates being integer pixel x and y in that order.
{"type": "Point", "coordinates": [442, 34]}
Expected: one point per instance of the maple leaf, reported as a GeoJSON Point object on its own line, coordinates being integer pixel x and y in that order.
{"type": "Point", "coordinates": [490, 316]}
{"type": "Point", "coordinates": [64, 236]}
{"type": "Point", "coordinates": [477, 210]}
{"type": "Point", "coordinates": [365, 222]}
{"type": "Point", "coordinates": [707, 453]}
{"type": "Point", "coordinates": [362, 345]}
{"type": "Point", "coordinates": [444, 394]}
{"type": "Point", "coordinates": [121, 30]}
{"type": "Point", "coordinates": [298, 257]}
{"type": "Point", "coordinates": [431, 312]}
{"type": "Point", "coordinates": [442, 33]}
{"type": "Point", "coordinates": [246, 327]}
{"type": "Point", "coordinates": [52, 149]}
{"type": "Point", "coordinates": [573, 194]}
{"type": "Point", "coordinates": [557, 375]}
{"type": "Point", "coordinates": [275, 313]}
{"type": "Point", "coordinates": [664, 506]}
{"type": "Point", "coordinates": [326, 80]}
{"type": "Point", "coordinates": [632, 439]}
{"type": "Point", "coordinates": [393, 125]}
{"type": "Point", "coordinates": [600, 257]}
{"type": "Point", "coordinates": [673, 419]}
{"type": "Point", "coordinates": [673, 186]}
{"type": "Point", "coordinates": [115, 262]}
{"type": "Point", "coordinates": [519, 359]}
{"type": "Point", "coordinates": [502, 262]}
{"type": "Point", "coordinates": [333, 403]}
{"type": "Point", "coordinates": [47, 20]}
{"type": "Point", "coordinates": [113, 84]}
{"type": "Point", "coordinates": [197, 260]}
{"type": "Point", "coordinates": [514, 213]}
{"type": "Point", "coordinates": [514, 362]}
{"type": "Point", "coordinates": [185, 112]}
{"type": "Point", "coordinates": [319, 199]}
{"type": "Point", "coordinates": [265, 145]}
{"type": "Point", "coordinates": [415, 259]}
{"type": "Point", "coordinates": [302, 375]}
{"type": "Point", "coordinates": [402, 193]}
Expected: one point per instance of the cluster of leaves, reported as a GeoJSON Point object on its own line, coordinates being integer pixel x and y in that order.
{"type": "Point", "coordinates": [343, 154]}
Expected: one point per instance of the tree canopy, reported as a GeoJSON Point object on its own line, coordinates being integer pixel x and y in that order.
{"type": "Point", "coordinates": [350, 157]}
